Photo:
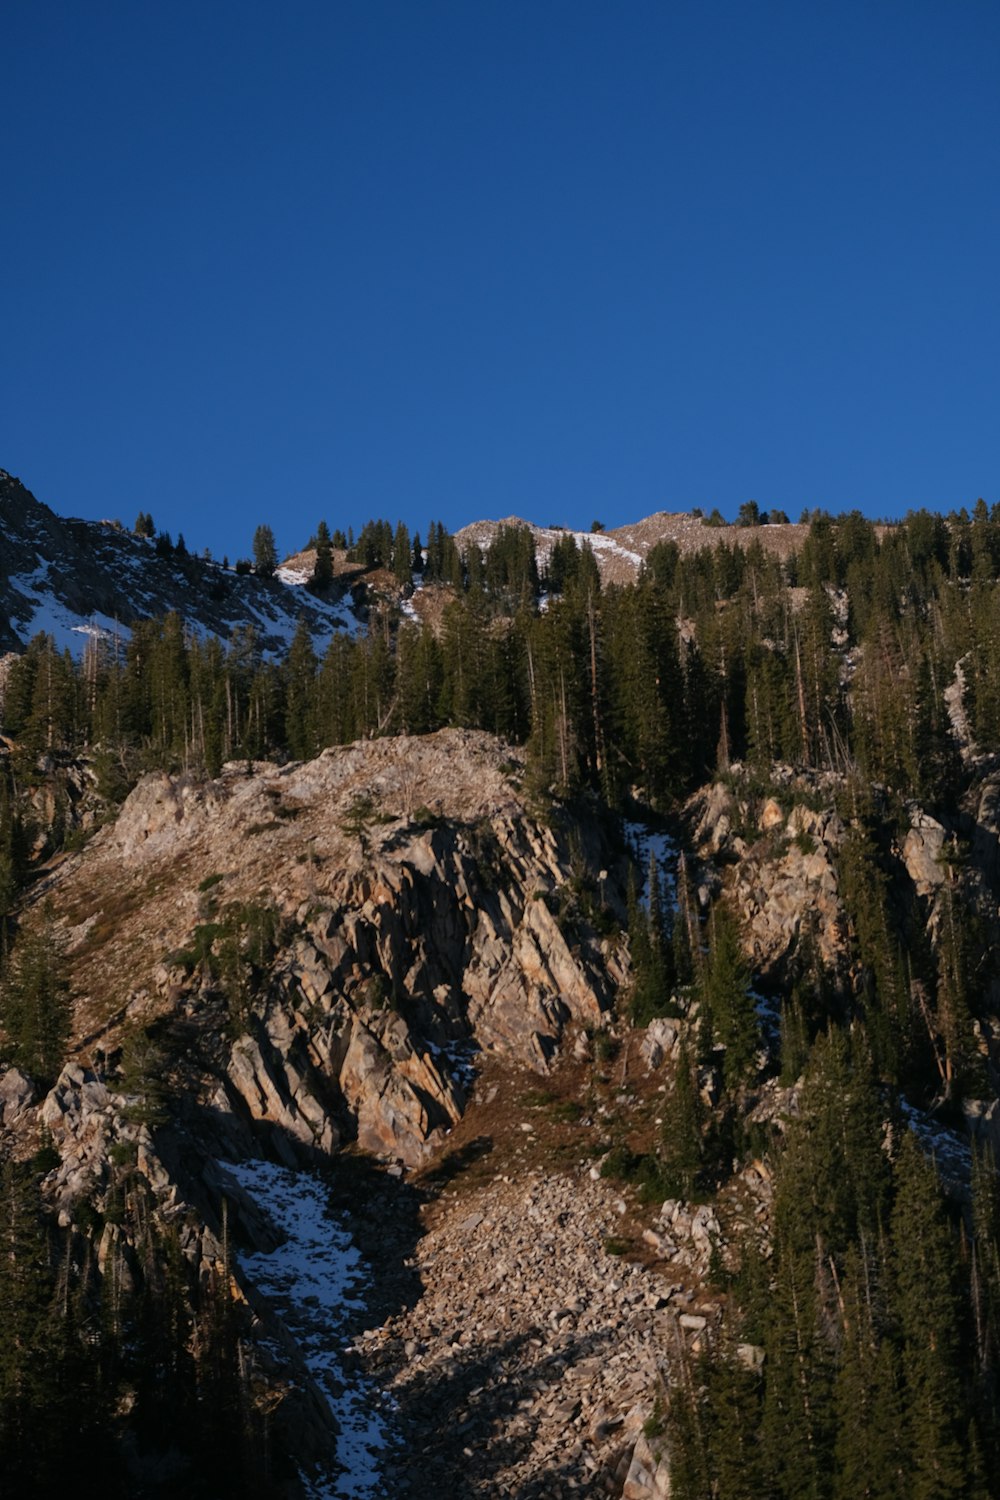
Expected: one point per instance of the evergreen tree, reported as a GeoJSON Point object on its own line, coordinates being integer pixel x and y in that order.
{"type": "Point", "coordinates": [323, 566]}
{"type": "Point", "coordinates": [402, 556]}
{"type": "Point", "coordinates": [682, 1142]}
{"type": "Point", "coordinates": [926, 1309]}
{"type": "Point", "coordinates": [651, 952]}
{"type": "Point", "coordinates": [301, 727]}
{"type": "Point", "coordinates": [34, 1002]}
{"type": "Point", "coordinates": [726, 1001]}
{"type": "Point", "coordinates": [265, 554]}
{"type": "Point", "coordinates": [870, 1451]}
{"type": "Point", "coordinates": [13, 854]}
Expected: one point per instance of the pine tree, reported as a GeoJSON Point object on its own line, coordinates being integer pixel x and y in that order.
{"type": "Point", "coordinates": [725, 997]}
{"type": "Point", "coordinates": [682, 1148]}
{"type": "Point", "coordinates": [926, 1309]}
{"type": "Point", "coordinates": [402, 556]}
{"type": "Point", "coordinates": [651, 952]}
{"type": "Point", "coordinates": [871, 1457]}
{"type": "Point", "coordinates": [798, 1421]}
{"type": "Point", "coordinates": [142, 1078]}
{"type": "Point", "coordinates": [26, 1384]}
{"type": "Point", "coordinates": [13, 855]}
{"type": "Point", "coordinates": [34, 1002]}
{"type": "Point", "coordinates": [265, 553]}
{"type": "Point", "coordinates": [301, 728]}
{"type": "Point", "coordinates": [323, 567]}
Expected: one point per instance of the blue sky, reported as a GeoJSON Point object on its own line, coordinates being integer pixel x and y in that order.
{"type": "Point", "coordinates": [265, 262]}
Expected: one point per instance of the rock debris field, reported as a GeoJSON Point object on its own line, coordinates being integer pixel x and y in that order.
{"type": "Point", "coordinates": [519, 1353]}
{"type": "Point", "coordinates": [528, 1365]}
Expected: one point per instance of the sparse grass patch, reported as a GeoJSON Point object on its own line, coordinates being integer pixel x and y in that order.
{"type": "Point", "coordinates": [539, 1098]}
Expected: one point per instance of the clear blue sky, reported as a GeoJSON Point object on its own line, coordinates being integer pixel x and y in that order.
{"type": "Point", "coordinates": [452, 260]}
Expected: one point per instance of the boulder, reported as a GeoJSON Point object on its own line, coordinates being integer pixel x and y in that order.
{"type": "Point", "coordinates": [17, 1093]}
{"type": "Point", "coordinates": [923, 848]}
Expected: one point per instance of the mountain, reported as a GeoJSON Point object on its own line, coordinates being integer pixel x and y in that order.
{"type": "Point", "coordinates": [381, 981]}
{"type": "Point", "coordinates": [86, 580]}
{"type": "Point", "coordinates": [547, 1045]}
{"type": "Point", "coordinates": [621, 551]}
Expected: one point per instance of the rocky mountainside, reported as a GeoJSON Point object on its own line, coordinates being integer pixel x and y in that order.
{"type": "Point", "coordinates": [387, 949]}
{"type": "Point", "coordinates": [87, 580]}
{"type": "Point", "coordinates": [621, 551]}
{"type": "Point", "coordinates": [81, 580]}
{"type": "Point", "coordinates": [445, 1112]}
{"type": "Point", "coordinates": [407, 927]}
{"type": "Point", "coordinates": [309, 956]}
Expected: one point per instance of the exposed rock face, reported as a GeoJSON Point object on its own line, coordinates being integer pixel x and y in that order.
{"type": "Point", "coordinates": [421, 931]}
{"type": "Point", "coordinates": [411, 898]}
{"type": "Point", "coordinates": [437, 935]}
{"type": "Point", "coordinates": [923, 848]}
{"type": "Point", "coordinates": [784, 875]}
{"type": "Point", "coordinates": [16, 1096]}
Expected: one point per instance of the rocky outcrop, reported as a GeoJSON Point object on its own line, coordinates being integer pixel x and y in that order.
{"type": "Point", "coordinates": [784, 877]}
{"type": "Point", "coordinates": [17, 1094]}
{"type": "Point", "coordinates": [424, 953]}
{"type": "Point", "coordinates": [923, 853]}
{"type": "Point", "coordinates": [406, 944]}
{"type": "Point", "coordinates": [420, 935]}
{"type": "Point", "coordinates": [409, 913]}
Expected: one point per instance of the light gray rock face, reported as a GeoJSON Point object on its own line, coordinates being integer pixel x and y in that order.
{"type": "Point", "coordinates": [923, 850]}
{"type": "Point", "coordinates": [17, 1093]}
{"type": "Point", "coordinates": [648, 1476]}
{"type": "Point", "coordinates": [780, 891]}
{"type": "Point", "coordinates": [422, 952]}
{"type": "Point", "coordinates": [404, 949]}
{"type": "Point", "coordinates": [661, 1040]}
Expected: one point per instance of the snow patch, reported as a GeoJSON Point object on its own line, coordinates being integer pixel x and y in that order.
{"type": "Point", "coordinates": [313, 1280]}
{"type": "Point", "coordinates": [293, 577]}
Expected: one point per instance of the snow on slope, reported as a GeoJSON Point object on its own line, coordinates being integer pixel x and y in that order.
{"type": "Point", "coordinates": [81, 581]}
{"type": "Point", "coordinates": [313, 1280]}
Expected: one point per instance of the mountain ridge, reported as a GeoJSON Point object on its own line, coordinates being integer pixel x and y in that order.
{"type": "Point", "coordinates": [90, 580]}
{"type": "Point", "coordinates": [84, 581]}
